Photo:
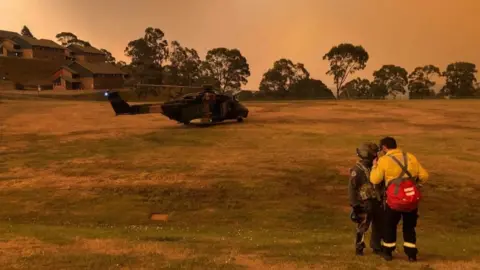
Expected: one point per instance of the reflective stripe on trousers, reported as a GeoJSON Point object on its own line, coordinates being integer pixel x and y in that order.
{"type": "Point", "coordinates": [405, 244]}
{"type": "Point", "coordinates": [409, 245]}
{"type": "Point", "coordinates": [389, 244]}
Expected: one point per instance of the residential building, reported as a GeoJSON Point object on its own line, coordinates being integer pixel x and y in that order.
{"type": "Point", "coordinates": [7, 34]}
{"type": "Point", "coordinates": [87, 75]}
{"type": "Point", "coordinates": [7, 48]}
{"type": "Point", "coordinates": [10, 48]}
{"type": "Point", "coordinates": [85, 54]}
{"type": "Point", "coordinates": [27, 47]}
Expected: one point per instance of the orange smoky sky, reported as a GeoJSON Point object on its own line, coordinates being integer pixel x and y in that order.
{"type": "Point", "coordinates": [407, 33]}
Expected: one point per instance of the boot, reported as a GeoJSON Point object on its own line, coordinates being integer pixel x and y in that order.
{"type": "Point", "coordinates": [411, 253]}
{"type": "Point", "coordinates": [205, 120]}
{"type": "Point", "coordinates": [359, 249]}
{"type": "Point", "coordinates": [387, 255]}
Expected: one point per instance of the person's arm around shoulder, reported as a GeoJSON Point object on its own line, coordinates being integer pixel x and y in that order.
{"type": "Point", "coordinates": [422, 173]}
{"type": "Point", "coordinates": [378, 171]}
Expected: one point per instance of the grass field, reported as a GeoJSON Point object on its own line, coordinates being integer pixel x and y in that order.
{"type": "Point", "coordinates": [77, 185]}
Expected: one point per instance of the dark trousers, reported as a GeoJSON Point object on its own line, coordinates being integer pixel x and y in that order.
{"type": "Point", "coordinates": [372, 216]}
{"type": "Point", "coordinates": [392, 218]}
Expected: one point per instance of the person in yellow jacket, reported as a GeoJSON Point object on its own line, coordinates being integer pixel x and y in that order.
{"type": "Point", "coordinates": [390, 168]}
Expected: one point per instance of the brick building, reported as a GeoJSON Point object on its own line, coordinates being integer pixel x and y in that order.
{"type": "Point", "coordinates": [7, 34]}
{"type": "Point", "coordinates": [86, 54]}
{"type": "Point", "coordinates": [28, 61]}
{"type": "Point", "coordinates": [27, 47]}
{"type": "Point", "coordinates": [87, 75]}
{"type": "Point", "coordinates": [7, 48]}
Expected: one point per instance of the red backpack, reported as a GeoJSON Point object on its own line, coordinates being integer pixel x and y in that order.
{"type": "Point", "coordinates": [402, 192]}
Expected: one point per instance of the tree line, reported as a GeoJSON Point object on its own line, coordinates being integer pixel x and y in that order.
{"type": "Point", "coordinates": [345, 59]}
{"type": "Point", "coordinates": [155, 60]}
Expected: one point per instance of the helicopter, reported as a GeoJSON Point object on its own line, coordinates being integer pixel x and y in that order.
{"type": "Point", "coordinates": [186, 108]}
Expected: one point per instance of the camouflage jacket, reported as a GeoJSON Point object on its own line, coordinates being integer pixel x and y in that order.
{"type": "Point", "coordinates": [359, 187]}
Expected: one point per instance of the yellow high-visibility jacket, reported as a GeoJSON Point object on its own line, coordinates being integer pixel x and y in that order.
{"type": "Point", "coordinates": [387, 169]}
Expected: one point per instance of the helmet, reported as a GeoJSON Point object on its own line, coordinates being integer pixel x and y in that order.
{"type": "Point", "coordinates": [368, 151]}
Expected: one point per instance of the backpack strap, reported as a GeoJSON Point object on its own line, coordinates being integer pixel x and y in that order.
{"type": "Point", "coordinates": [404, 168]}
{"type": "Point", "coordinates": [364, 169]}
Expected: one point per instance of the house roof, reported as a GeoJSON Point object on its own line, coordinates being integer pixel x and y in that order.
{"type": "Point", "coordinates": [66, 67]}
{"type": "Point", "coordinates": [30, 42]}
{"type": "Point", "coordinates": [78, 48]}
{"type": "Point", "coordinates": [101, 68]}
{"type": "Point", "coordinates": [69, 69]}
{"type": "Point", "coordinates": [7, 34]}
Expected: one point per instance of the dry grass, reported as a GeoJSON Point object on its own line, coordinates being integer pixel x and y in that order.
{"type": "Point", "coordinates": [123, 247]}
{"type": "Point", "coordinates": [270, 193]}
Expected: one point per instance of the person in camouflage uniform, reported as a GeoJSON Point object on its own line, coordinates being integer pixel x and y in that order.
{"type": "Point", "coordinates": [365, 200]}
{"type": "Point", "coordinates": [208, 102]}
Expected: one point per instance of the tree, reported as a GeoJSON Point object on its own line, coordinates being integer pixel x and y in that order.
{"type": "Point", "coordinates": [26, 32]}
{"type": "Point", "coordinates": [121, 64]}
{"type": "Point", "coordinates": [68, 38]}
{"type": "Point", "coordinates": [309, 89]}
{"type": "Point", "coordinates": [227, 67]}
{"type": "Point", "coordinates": [378, 90]}
{"type": "Point", "coordinates": [184, 67]}
{"type": "Point", "coordinates": [152, 48]}
{"type": "Point", "coordinates": [246, 95]}
{"type": "Point", "coordinates": [108, 57]}
{"type": "Point", "coordinates": [420, 82]}
{"type": "Point", "coordinates": [80, 42]}
{"type": "Point", "coordinates": [392, 79]}
{"type": "Point", "coordinates": [148, 54]}
{"type": "Point", "coordinates": [345, 59]}
{"type": "Point", "coordinates": [279, 79]}
{"type": "Point", "coordinates": [460, 79]}
{"type": "Point", "coordinates": [357, 88]}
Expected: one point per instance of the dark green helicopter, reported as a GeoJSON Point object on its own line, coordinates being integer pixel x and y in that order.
{"type": "Point", "coordinates": [185, 108]}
